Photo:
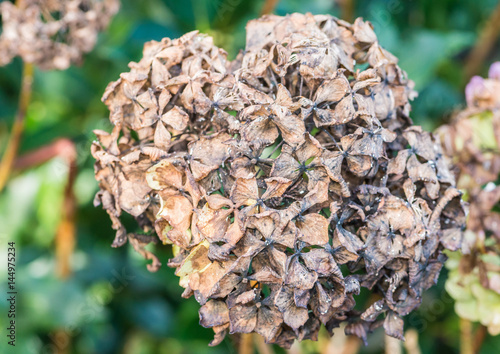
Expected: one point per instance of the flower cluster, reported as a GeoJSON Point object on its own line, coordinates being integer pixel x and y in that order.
{"type": "Point", "coordinates": [472, 140]}
{"type": "Point", "coordinates": [52, 34]}
{"type": "Point", "coordinates": [286, 179]}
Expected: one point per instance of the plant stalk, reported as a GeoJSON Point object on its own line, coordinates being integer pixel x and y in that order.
{"type": "Point", "coordinates": [262, 346]}
{"type": "Point", "coordinates": [393, 345]}
{"type": "Point", "coordinates": [18, 127]}
{"type": "Point", "coordinates": [479, 337]}
{"type": "Point", "coordinates": [466, 342]}
{"type": "Point", "coordinates": [411, 343]}
{"type": "Point", "coordinates": [347, 9]}
{"type": "Point", "coordinates": [246, 344]}
{"type": "Point", "coordinates": [66, 230]}
{"type": "Point", "coordinates": [484, 44]}
{"type": "Point", "coordinates": [268, 7]}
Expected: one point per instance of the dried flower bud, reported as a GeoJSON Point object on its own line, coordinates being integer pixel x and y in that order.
{"type": "Point", "coordinates": [472, 140]}
{"type": "Point", "coordinates": [52, 34]}
{"type": "Point", "coordinates": [294, 177]}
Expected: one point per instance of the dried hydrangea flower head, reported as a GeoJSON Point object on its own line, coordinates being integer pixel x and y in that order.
{"type": "Point", "coordinates": [297, 178]}
{"type": "Point", "coordinates": [52, 34]}
{"type": "Point", "coordinates": [473, 141]}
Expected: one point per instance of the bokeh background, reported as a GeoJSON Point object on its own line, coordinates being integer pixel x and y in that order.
{"type": "Point", "coordinates": [110, 303]}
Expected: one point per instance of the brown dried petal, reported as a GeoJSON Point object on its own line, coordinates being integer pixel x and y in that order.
{"type": "Point", "coordinates": [260, 132]}
{"type": "Point", "coordinates": [292, 129]}
{"type": "Point", "coordinates": [285, 166]}
{"type": "Point", "coordinates": [276, 186]}
{"type": "Point", "coordinates": [162, 136]}
{"type": "Point", "coordinates": [268, 322]}
{"type": "Point", "coordinates": [393, 325]}
{"type": "Point", "coordinates": [164, 175]}
{"type": "Point", "coordinates": [177, 210]}
{"type": "Point", "coordinates": [213, 313]}
{"type": "Point", "coordinates": [243, 319]}
{"type": "Point", "coordinates": [293, 316]}
{"type": "Point", "coordinates": [176, 118]}
{"type": "Point", "coordinates": [245, 191]}
{"type": "Point", "coordinates": [332, 90]}
{"type": "Point", "coordinates": [299, 276]}
{"type": "Point", "coordinates": [313, 229]}
{"type": "Point", "coordinates": [213, 223]}
{"type": "Point", "coordinates": [208, 154]}
{"type": "Point", "coordinates": [322, 262]}
{"type": "Point", "coordinates": [351, 242]}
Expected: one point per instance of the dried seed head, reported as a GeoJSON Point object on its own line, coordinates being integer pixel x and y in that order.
{"type": "Point", "coordinates": [52, 34]}
{"type": "Point", "coordinates": [286, 180]}
{"type": "Point", "coordinates": [472, 140]}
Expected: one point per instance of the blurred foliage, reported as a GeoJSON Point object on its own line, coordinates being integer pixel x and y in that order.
{"type": "Point", "coordinates": [112, 304]}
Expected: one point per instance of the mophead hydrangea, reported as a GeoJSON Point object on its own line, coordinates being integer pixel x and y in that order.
{"type": "Point", "coordinates": [52, 34]}
{"type": "Point", "coordinates": [285, 180]}
{"type": "Point", "coordinates": [472, 140]}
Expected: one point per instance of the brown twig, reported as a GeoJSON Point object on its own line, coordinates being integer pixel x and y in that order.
{"type": "Point", "coordinates": [18, 127]}
{"type": "Point", "coordinates": [466, 346]}
{"type": "Point", "coordinates": [483, 46]}
{"type": "Point", "coordinates": [63, 147]}
{"type": "Point", "coordinates": [268, 7]}
{"type": "Point", "coordinates": [66, 231]}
